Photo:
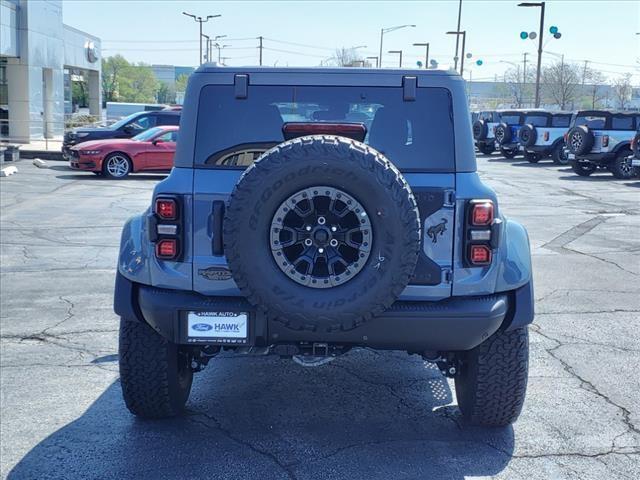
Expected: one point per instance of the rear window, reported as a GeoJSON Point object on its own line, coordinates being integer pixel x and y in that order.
{"type": "Point", "coordinates": [510, 119]}
{"type": "Point", "coordinates": [591, 121]}
{"type": "Point", "coordinates": [563, 121]}
{"type": "Point", "coordinates": [622, 123]}
{"type": "Point", "coordinates": [488, 116]}
{"type": "Point", "coordinates": [536, 120]}
{"type": "Point", "coordinates": [415, 135]}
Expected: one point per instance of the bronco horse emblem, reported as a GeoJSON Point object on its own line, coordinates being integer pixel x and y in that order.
{"type": "Point", "coordinates": [436, 230]}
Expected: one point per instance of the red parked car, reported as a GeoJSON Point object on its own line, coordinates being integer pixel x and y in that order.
{"type": "Point", "coordinates": [151, 150]}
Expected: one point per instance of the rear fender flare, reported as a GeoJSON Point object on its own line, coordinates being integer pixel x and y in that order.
{"type": "Point", "coordinates": [134, 259]}
{"type": "Point", "coordinates": [625, 144]}
{"type": "Point", "coordinates": [514, 262]}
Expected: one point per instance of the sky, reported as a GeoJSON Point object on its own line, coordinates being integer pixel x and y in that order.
{"type": "Point", "coordinates": [305, 33]}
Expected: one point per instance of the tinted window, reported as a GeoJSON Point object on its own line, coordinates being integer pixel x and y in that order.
{"type": "Point", "coordinates": [415, 135]}
{"type": "Point", "coordinates": [591, 121]}
{"type": "Point", "coordinates": [536, 120]}
{"type": "Point", "coordinates": [560, 121]}
{"type": "Point", "coordinates": [510, 119]}
{"type": "Point", "coordinates": [168, 119]}
{"type": "Point", "coordinates": [622, 123]}
{"type": "Point", "coordinates": [147, 135]}
{"type": "Point", "coordinates": [143, 123]}
{"type": "Point", "coordinates": [486, 116]}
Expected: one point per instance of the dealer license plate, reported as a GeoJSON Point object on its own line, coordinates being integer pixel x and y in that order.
{"type": "Point", "coordinates": [229, 327]}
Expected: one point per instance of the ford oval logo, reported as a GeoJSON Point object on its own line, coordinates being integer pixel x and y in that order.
{"type": "Point", "coordinates": [201, 327]}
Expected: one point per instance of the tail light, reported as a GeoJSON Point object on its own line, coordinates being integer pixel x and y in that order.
{"type": "Point", "coordinates": [481, 233]}
{"type": "Point", "coordinates": [165, 227]}
{"type": "Point", "coordinates": [546, 136]}
{"type": "Point", "coordinates": [566, 137]}
{"type": "Point", "coordinates": [605, 140]}
{"type": "Point", "coordinates": [355, 131]}
{"type": "Point", "coordinates": [166, 208]}
{"type": "Point", "coordinates": [634, 142]}
{"type": "Point", "coordinates": [167, 248]}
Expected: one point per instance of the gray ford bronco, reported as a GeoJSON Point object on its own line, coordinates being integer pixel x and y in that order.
{"type": "Point", "coordinates": [312, 211]}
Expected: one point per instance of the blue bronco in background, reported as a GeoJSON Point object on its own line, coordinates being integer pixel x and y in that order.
{"type": "Point", "coordinates": [311, 211]}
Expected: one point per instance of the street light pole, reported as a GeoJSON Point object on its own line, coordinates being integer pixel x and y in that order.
{"type": "Point", "coordinates": [388, 30]}
{"type": "Point", "coordinates": [464, 39]}
{"type": "Point", "coordinates": [455, 59]}
{"type": "Point", "coordinates": [201, 20]}
{"type": "Point", "coordinates": [540, 35]}
{"type": "Point", "coordinates": [400, 52]}
{"type": "Point", "coordinates": [426, 61]}
{"type": "Point", "coordinates": [374, 58]}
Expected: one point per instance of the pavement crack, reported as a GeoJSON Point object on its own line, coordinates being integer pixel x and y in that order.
{"type": "Point", "coordinates": [69, 314]}
{"type": "Point", "coordinates": [287, 468]}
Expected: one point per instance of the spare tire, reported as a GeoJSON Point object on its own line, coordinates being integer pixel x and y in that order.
{"type": "Point", "coordinates": [636, 145]}
{"type": "Point", "coordinates": [527, 135]}
{"type": "Point", "coordinates": [503, 133]}
{"type": "Point", "coordinates": [322, 233]}
{"type": "Point", "coordinates": [480, 130]}
{"type": "Point", "coordinates": [580, 140]}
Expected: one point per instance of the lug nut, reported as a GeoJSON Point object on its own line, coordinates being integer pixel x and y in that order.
{"type": "Point", "coordinates": [308, 228]}
{"type": "Point", "coordinates": [333, 229]}
{"type": "Point", "coordinates": [321, 220]}
{"type": "Point", "coordinates": [333, 242]}
{"type": "Point", "coordinates": [452, 371]}
{"type": "Point", "coordinates": [321, 250]}
{"type": "Point", "coordinates": [308, 242]}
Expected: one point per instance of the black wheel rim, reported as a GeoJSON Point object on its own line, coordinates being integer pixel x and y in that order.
{"type": "Point", "coordinates": [575, 142]}
{"type": "Point", "coordinates": [321, 237]}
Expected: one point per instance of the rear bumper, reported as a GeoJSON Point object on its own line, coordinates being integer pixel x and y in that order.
{"type": "Point", "coordinates": [598, 158]}
{"type": "Point", "coordinates": [458, 323]}
{"type": "Point", "coordinates": [544, 149]}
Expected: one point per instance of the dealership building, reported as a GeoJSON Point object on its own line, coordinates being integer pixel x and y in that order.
{"type": "Point", "coordinates": [39, 59]}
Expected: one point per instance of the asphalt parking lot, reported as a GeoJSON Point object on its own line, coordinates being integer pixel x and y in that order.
{"type": "Point", "coordinates": [367, 414]}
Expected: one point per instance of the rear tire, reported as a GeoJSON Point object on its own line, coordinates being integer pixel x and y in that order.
{"type": "Point", "coordinates": [583, 169]}
{"type": "Point", "coordinates": [532, 157]}
{"type": "Point", "coordinates": [155, 374]}
{"type": "Point", "coordinates": [621, 167]}
{"type": "Point", "coordinates": [486, 149]}
{"type": "Point", "coordinates": [492, 383]}
{"type": "Point", "coordinates": [559, 156]}
{"type": "Point", "coordinates": [509, 153]}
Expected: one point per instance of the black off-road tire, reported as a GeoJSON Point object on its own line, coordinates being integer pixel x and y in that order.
{"type": "Point", "coordinates": [527, 135]}
{"type": "Point", "coordinates": [503, 133]}
{"type": "Point", "coordinates": [532, 157]}
{"type": "Point", "coordinates": [509, 153]}
{"type": "Point", "coordinates": [480, 130]}
{"type": "Point", "coordinates": [580, 140]}
{"type": "Point", "coordinates": [155, 374]}
{"type": "Point", "coordinates": [584, 169]}
{"type": "Point", "coordinates": [621, 167]}
{"type": "Point", "coordinates": [558, 155]}
{"type": "Point", "coordinates": [486, 149]}
{"type": "Point", "coordinates": [335, 162]}
{"type": "Point", "coordinates": [492, 382]}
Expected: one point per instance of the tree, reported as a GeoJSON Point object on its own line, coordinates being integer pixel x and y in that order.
{"type": "Point", "coordinates": [517, 88]}
{"type": "Point", "coordinates": [560, 83]}
{"type": "Point", "coordinates": [112, 68]}
{"type": "Point", "coordinates": [181, 83]}
{"type": "Point", "coordinates": [79, 94]}
{"type": "Point", "coordinates": [622, 90]}
{"type": "Point", "coordinates": [346, 57]}
{"type": "Point", "coordinates": [594, 87]}
{"type": "Point", "coordinates": [165, 93]}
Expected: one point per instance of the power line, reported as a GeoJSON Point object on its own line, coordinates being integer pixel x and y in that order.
{"type": "Point", "coordinates": [299, 44]}
{"type": "Point", "coordinates": [294, 53]}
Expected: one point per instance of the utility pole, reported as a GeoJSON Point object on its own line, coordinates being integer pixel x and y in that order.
{"type": "Point", "coordinates": [524, 75]}
{"type": "Point", "coordinates": [584, 72]}
{"type": "Point", "coordinates": [201, 20]}
{"type": "Point", "coordinates": [540, 37]}
{"type": "Point", "coordinates": [426, 61]}
{"type": "Point", "coordinates": [260, 48]}
{"type": "Point", "coordinates": [455, 59]}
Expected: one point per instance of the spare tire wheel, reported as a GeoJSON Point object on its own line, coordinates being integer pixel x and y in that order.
{"type": "Point", "coordinates": [322, 233]}
{"type": "Point", "coordinates": [480, 130]}
{"type": "Point", "coordinates": [580, 140]}
{"type": "Point", "coordinates": [528, 135]}
{"type": "Point", "coordinates": [503, 133]}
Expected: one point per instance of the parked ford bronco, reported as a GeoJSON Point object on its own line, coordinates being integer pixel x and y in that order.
{"type": "Point", "coordinates": [484, 129]}
{"type": "Point", "coordinates": [311, 211]}
{"type": "Point", "coordinates": [506, 132]}
{"type": "Point", "coordinates": [602, 139]}
{"type": "Point", "coordinates": [542, 135]}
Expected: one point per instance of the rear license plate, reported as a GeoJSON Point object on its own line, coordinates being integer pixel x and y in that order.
{"type": "Point", "coordinates": [635, 162]}
{"type": "Point", "coordinates": [224, 327]}
{"type": "Point", "coordinates": [571, 156]}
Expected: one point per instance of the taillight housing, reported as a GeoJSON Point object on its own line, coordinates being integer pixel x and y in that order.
{"type": "Point", "coordinates": [166, 208]}
{"type": "Point", "coordinates": [565, 137]}
{"type": "Point", "coordinates": [481, 213]}
{"type": "Point", "coordinates": [605, 140]}
{"type": "Point", "coordinates": [481, 233]}
{"type": "Point", "coordinates": [546, 136]}
{"type": "Point", "coordinates": [165, 227]}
